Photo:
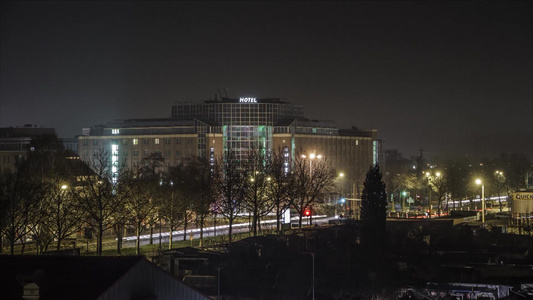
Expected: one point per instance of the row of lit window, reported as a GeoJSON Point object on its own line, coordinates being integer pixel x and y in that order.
{"type": "Point", "coordinates": [157, 141]}
{"type": "Point", "coordinates": [136, 152]}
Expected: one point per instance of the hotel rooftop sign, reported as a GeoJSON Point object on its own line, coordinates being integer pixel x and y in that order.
{"type": "Point", "coordinates": [247, 100]}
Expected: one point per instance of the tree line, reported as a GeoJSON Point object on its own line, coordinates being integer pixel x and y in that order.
{"type": "Point", "coordinates": [51, 197]}
{"type": "Point", "coordinates": [445, 181]}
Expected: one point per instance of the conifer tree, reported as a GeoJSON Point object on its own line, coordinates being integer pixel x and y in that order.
{"type": "Point", "coordinates": [373, 209]}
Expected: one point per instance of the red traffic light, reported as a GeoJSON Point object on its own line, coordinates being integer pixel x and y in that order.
{"type": "Point", "coordinates": [307, 212]}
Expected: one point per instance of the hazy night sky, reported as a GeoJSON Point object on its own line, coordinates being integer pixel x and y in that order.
{"type": "Point", "coordinates": [451, 77]}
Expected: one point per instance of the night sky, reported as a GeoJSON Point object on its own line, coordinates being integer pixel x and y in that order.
{"type": "Point", "coordinates": [449, 77]}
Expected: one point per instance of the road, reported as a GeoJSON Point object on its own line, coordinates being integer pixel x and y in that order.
{"type": "Point", "coordinates": [220, 230]}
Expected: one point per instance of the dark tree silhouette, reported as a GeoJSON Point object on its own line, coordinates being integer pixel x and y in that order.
{"type": "Point", "coordinates": [373, 209]}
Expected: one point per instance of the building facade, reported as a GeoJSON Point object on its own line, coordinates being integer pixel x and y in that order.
{"type": "Point", "coordinates": [15, 144]}
{"type": "Point", "coordinates": [212, 127]}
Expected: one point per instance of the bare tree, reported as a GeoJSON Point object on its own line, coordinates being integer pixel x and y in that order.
{"type": "Point", "coordinates": [172, 207]}
{"type": "Point", "coordinates": [20, 197]}
{"type": "Point", "coordinates": [151, 171]}
{"type": "Point", "coordinates": [311, 183]}
{"type": "Point", "coordinates": [230, 184]}
{"type": "Point", "coordinates": [141, 203]}
{"type": "Point", "coordinates": [280, 185]}
{"type": "Point", "coordinates": [500, 183]}
{"type": "Point", "coordinates": [259, 182]}
{"type": "Point", "coordinates": [101, 196]}
{"type": "Point", "coordinates": [199, 183]}
{"type": "Point", "coordinates": [63, 216]}
{"type": "Point", "coordinates": [438, 183]}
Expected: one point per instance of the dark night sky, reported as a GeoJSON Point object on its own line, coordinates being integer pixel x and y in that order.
{"type": "Point", "coordinates": [451, 77]}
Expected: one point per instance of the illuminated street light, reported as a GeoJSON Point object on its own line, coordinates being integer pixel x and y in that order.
{"type": "Point", "coordinates": [64, 187]}
{"type": "Point", "coordinates": [479, 182]}
{"type": "Point", "coordinates": [311, 157]}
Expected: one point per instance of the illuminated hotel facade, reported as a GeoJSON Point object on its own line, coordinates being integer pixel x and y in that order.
{"type": "Point", "coordinates": [209, 128]}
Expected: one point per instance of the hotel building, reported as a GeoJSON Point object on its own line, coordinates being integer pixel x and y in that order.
{"type": "Point", "coordinates": [209, 128]}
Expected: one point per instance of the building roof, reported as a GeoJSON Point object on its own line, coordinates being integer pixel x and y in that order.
{"type": "Point", "coordinates": [62, 277]}
{"type": "Point", "coordinates": [26, 131]}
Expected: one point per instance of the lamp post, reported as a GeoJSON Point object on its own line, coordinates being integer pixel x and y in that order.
{"type": "Point", "coordinates": [341, 176]}
{"type": "Point", "coordinates": [479, 182]}
{"type": "Point", "coordinates": [404, 193]}
{"type": "Point", "coordinates": [311, 157]}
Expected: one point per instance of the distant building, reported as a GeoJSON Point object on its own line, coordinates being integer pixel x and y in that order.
{"type": "Point", "coordinates": [15, 144]}
{"type": "Point", "coordinates": [70, 144]}
{"type": "Point", "coordinates": [209, 128]}
{"type": "Point", "coordinates": [88, 278]}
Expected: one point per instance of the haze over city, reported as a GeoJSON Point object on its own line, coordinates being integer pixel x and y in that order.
{"type": "Point", "coordinates": [453, 78]}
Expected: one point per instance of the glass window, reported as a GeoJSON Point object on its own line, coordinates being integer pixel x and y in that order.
{"type": "Point", "coordinates": [135, 141]}
{"type": "Point", "coordinates": [135, 152]}
{"type": "Point", "coordinates": [145, 141]}
{"type": "Point", "coordinates": [156, 141]}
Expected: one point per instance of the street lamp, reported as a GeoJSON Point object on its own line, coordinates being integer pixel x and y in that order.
{"type": "Point", "coordinates": [479, 182]}
{"type": "Point", "coordinates": [404, 193]}
{"type": "Point", "coordinates": [341, 176]}
{"type": "Point", "coordinates": [311, 157]}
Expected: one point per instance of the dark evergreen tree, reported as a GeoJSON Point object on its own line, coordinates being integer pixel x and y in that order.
{"type": "Point", "coordinates": [373, 210]}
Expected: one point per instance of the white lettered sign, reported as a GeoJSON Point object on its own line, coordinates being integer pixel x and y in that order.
{"type": "Point", "coordinates": [247, 100]}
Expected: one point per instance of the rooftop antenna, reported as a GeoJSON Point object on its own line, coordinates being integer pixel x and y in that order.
{"type": "Point", "coordinates": [226, 93]}
{"type": "Point", "coordinates": [221, 97]}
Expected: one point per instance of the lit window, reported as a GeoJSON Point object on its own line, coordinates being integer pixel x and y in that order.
{"type": "Point", "coordinates": [156, 141]}
{"type": "Point", "coordinates": [115, 131]}
{"type": "Point", "coordinates": [135, 141]}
